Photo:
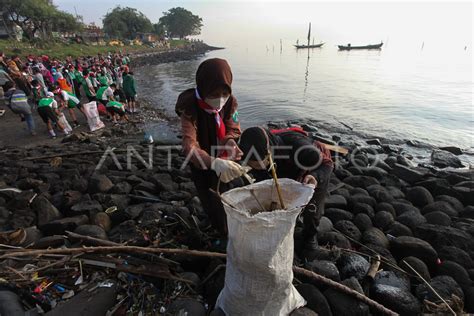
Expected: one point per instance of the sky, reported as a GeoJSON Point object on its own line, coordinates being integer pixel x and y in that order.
{"type": "Point", "coordinates": [228, 23]}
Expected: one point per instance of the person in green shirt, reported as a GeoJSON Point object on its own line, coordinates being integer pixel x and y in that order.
{"type": "Point", "coordinates": [130, 90]}
{"type": "Point", "coordinates": [116, 110]}
{"type": "Point", "coordinates": [48, 111]}
{"type": "Point", "coordinates": [106, 93]}
{"type": "Point", "coordinates": [71, 101]}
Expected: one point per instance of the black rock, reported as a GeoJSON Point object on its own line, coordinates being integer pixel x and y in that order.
{"type": "Point", "coordinates": [385, 207]}
{"type": "Point", "coordinates": [440, 206]}
{"type": "Point", "coordinates": [444, 285]}
{"type": "Point", "coordinates": [392, 278]}
{"type": "Point", "coordinates": [444, 236]}
{"type": "Point", "coordinates": [452, 149]}
{"type": "Point", "coordinates": [383, 219]}
{"type": "Point", "coordinates": [303, 311]}
{"type": "Point", "coordinates": [359, 198]}
{"type": "Point", "coordinates": [407, 174]}
{"type": "Point", "coordinates": [464, 194]}
{"type": "Point", "coordinates": [336, 201]}
{"type": "Point", "coordinates": [121, 188]}
{"type": "Point", "coordinates": [146, 187]}
{"type": "Point", "coordinates": [456, 271]}
{"type": "Point", "coordinates": [60, 226]}
{"type": "Point", "coordinates": [134, 211]}
{"type": "Point", "coordinates": [382, 195]}
{"type": "Point", "coordinates": [375, 172]}
{"type": "Point", "coordinates": [92, 231]}
{"type": "Point", "coordinates": [443, 159]}
{"type": "Point", "coordinates": [335, 215]}
{"type": "Point", "coordinates": [457, 255]}
{"type": "Point", "coordinates": [438, 218]}
{"type": "Point", "coordinates": [343, 304]}
{"type": "Point", "coordinates": [363, 208]}
{"type": "Point", "coordinates": [469, 300]}
{"type": "Point", "coordinates": [121, 201]}
{"type": "Point", "coordinates": [164, 182]}
{"type": "Point", "coordinates": [374, 141]}
{"type": "Point", "coordinates": [401, 208]}
{"type": "Point", "coordinates": [46, 212]}
{"type": "Point", "coordinates": [359, 191]}
{"type": "Point", "coordinates": [87, 207]}
{"type": "Point", "coordinates": [396, 299]}
{"type": "Point", "coordinates": [360, 181]}
{"type": "Point", "coordinates": [395, 192]}
{"type": "Point", "coordinates": [341, 174]}
{"type": "Point", "coordinates": [352, 265]}
{"type": "Point", "coordinates": [455, 203]}
{"type": "Point", "coordinates": [419, 196]}
{"type": "Point", "coordinates": [128, 231]}
{"type": "Point", "coordinates": [99, 183]}
{"type": "Point", "coordinates": [325, 225]}
{"type": "Point", "coordinates": [362, 221]}
{"type": "Point", "coordinates": [418, 265]}
{"type": "Point", "coordinates": [175, 196]}
{"type": "Point", "coordinates": [348, 229]}
{"type": "Point", "coordinates": [324, 268]}
{"type": "Point", "coordinates": [468, 212]}
{"type": "Point", "coordinates": [186, 306]}
{"type": "Point", "coordinates": [334, 239]}
{"type": "Point", "coordinates": [55, 241]}
{"type": "Point", "coordinates": [411, 219]}
{"type": "Point", "coordinates": [406, 246]}
{"type": "Point", "coordinates": [398, 229]}
{"type": "Point", "coordinates": [314, 298]}
{"type": "Point", "coordinates": [376, 237]}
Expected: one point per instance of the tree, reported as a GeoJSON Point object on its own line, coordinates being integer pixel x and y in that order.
{"type": "Point", "coordinates": [180, 22]}
{"type": "Point", "coordinates": [37, 17]}
{"type": "Point", "coordinates": [159, 29]}
{"type": "Point", "coordinates": [126, 23]}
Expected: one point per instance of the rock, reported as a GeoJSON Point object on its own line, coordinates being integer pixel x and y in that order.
{"type": "Point", "coordinates": [164, 182]}
{"type": "Point", "coordinates": [186, 306]}
{"type": "Point", "coordinates": [359, 198]}
{"type": "Point", "coordinates": [381, 195]}
{"type": "Point", "coordinates": [418, 265]}
{"type": "Point", "coordinates": [175, 196]}
{"type": "Point", "coordinates": [128, 231]}
{"type": "Point", "coordinates": [360, 181]}
{"type": "Point", "coordinates": [376, 237]}
{"type": "Point", "coordinates": [303, 311]}
{"type": "Point", "coordinates": [407, 174]}
{"type": "Point", "coordinates": [438, 218]}
{"type": "Point", "coordinates": [121, 201]}
{"type": "Point", "coordinates": [395, 192]}
{"type": "Point", "coordinates": [444, 285]}
{"type": "Point", "coordinates": [343, 304]}
{"type": "Point", "coordinates": [348, 229]}
{"type": "Point", "coordinates": [92, 231]}
{"type": "Point", "coordinates": [60, 226]}
{"type": "Point", "coordinates": [352, 265]}
{"type": "Point", "coordinates": [375, 172]}
{"type": "Point", "coordinates": [146, 187]}
{"type": "Point", "coordinates": [28, 183]}
{"type": "Point", "coordinates": [468, 212]}
{"type": "Point", "coordinates": [456, 271]}
{"type": "Point", "coordinates": [335, 215]}
{"type": "Point", "coordinates": [385, 207]}
{"type": "Point", "coordinates": [455, 203]}
{"type": "Point", "coordinates": [398, 229]}
{"type": "Point", "coordinates": [362, 221]}
{"type": "Point", "coordinates": [401, 208]}
{"type": "Point", "coordinates": [469, 300]}
{"type": "Point", "coordinates": [99, 183]}
{"type": "Point", "coordinates": [102, 219]}
{"type": "Point", "coordinates": [443, 159]}
{"type": "Point", "coordinates": [444, 236]}
{"type": "Point", "coordinates": [314, 298]}
{"type": "Point", "coordinates": [341, 174]}
{"type": "Point", "coordinates": [411, 219]}
{"type": "Point", "coordinates": [325, 225]}
{"type": "Point", "coordinates": [391, 278]}
{"type": "Point", "coordinates": [46, 212]}
{"type": "Point", "coordinates": [374, 141]}
{"type": "Point", "coordinates": [134, 211]}
{"type": "Point", "coordinates": [452, 149]}
{"type": "Point", "coordinates": [336, 201]}
{"type": "Point", "coordinates": [457, 255]}
{"type": "Point", "coordinates": [121, 188]}
{"type": "Point", "coordinates": [334, 239]}
{"type": "Point", "coordinates": [405, 246]}
{"type": "Point", "coordinates": [440, 206]}
{"type": "Point", "coordinates": [324, 268]}
{"type": "Point", "coordinates": [87, 207]}
{"type": "Point", "coordinates": [363, 208]}
{"type": "Point", "coordinates": [70, 198]}
{"type": "Point", "coordinates": [55, 241]}
{"type": "Point", "coordinates": [383, 219]}
{"type": "Point", "coordinates": [419, 196]}
{"type": "Point", "coordinates": [464, 194]}
{"type": "Point", "coordinates": [396, 299]}
{"type": "Point", "coordinates": [358, 191]}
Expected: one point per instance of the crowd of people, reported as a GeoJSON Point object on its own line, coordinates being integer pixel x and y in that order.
{"type": "Point", "coordinates": [55, 88]}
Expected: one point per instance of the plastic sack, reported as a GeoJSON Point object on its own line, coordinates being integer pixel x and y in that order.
{"type": "Point", "coordinates": [259, 274]}
{"type": "Point", "coordinates": [93, 119]}
{"type": "Point", "coordinates": [62, 119]}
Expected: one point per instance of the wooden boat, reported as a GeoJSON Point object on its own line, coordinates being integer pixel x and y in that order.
{"type": "Point", "coordinates": [309, 45]}
{"type": "Point", "coordinates": [349, 47]}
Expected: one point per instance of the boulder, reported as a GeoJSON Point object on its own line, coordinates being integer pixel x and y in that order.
{"type": "Point", "coordinates": [402, 207]}
{"type": "Point", "coordinates": [457, 255]}
{"type": "Point", "coordinates": [45, 211]}
{"type": "Point", "coordinates": [314, 298]}
{"type": "Point", "coordinates": [396, 299]}
{"type": "Point", "coordinates": [335, 215]}
{"type": "Point", "coordinates": [411, 219]}
{"type": "Point", "coordinates": [343, 304]}
{"type": "Point", "coordinates": [385, 207]}
{"type": "Point", "coordinates": [335, 239]}
{"type": "Point", "coordinates": [102, 219]}
{"type": "Point", "coordinates": [352, 265]}
{"type": "Point", "coordinates": [360, 181]}
{"type": "Point", "coordinates": [383, 219]}
{"type": "Point", "coordinates": [444, 285]}
{"type": "Point", "coordinates": [363, 208]}
{"type": "Point", "coordinates": [455, 203]}
{"type": "Point", "coordinates": [419, 196]}
{"type": "Point", "coordinates": [452, 149]}
{"type": "Point", "coordinates": [444, 236]}
{"type": "Point", "coordinates": [376, 237]}
{"type": "Point", "coordinates": [456, 271]}
{"type": "Point", "coordinates": [324, 268]}
{"type": "Point", "coordinates": [391, 278]}
{"type": "Point", "coordinates": [395, 192]}
{"type": "Point", "coordinates": [325, 225]}
{"type": "Point", "coordinates": [336, 201]}
{"type": "Point", "coordinates": [469, 300]}
{"type": "Point", "coordinates": [99, 183]}
{"type": "Point", "coordinates": [362, 221]}
{"type": "Point", "coordinates": [406, 173]}
{"type": "Point", "coordinates": [348, 229]}
{"type": "Point", "coordinates": [121, 188]}
{"type": "Point", "coordinates": [405, 246]}
{"type": "Point", "coordinates": [398, 229]}
{"type": "Point", "coordinates": [468, 212]}
{"type": "Point", "coordinates": [60, 226]}
{"type": "Point", "coordinates": [92, 231]}
{"type": "Point", "coordinates": [90, 207]}
{"type": "Point", "coordinates": [362, 198]}
{"type": "Point", "coordinates": [418, 265]}
{"type": "Point", "coordinates": [164, 182]}
{"type": "Point", "coordinates": [440, 206]}
{"type": "Point", "coordinates": [443, 159]}
{"type": "Point", "coordinates": [438, 218]}
{"type": "Point", "coordinates": [303, 311]}
{"type": "Point", "coordinates": [186, 306]}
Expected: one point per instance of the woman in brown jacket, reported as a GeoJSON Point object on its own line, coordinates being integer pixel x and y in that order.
{"type": "Point", "coordinates": [210, 126]}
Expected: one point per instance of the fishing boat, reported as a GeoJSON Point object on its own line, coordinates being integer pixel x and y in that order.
{"type": "Point", "coordinates": [309, 45]}
{"type": "Point", "coordinates": [349, 47]}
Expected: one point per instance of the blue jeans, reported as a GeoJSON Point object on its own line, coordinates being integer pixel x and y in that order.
{"type": "Point", "coordinates": [29, 121]}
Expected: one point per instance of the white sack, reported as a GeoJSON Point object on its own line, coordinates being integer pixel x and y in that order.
{"type": "Point", "coordinates": [62, 119]}
{"type": "Point", "coordinates": [93, 118]}
{"type": "Point", "coordinates": [259, 274]}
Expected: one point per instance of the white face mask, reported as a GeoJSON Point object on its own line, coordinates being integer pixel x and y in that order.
{"type": "Point", "coordinates": [216, 103]}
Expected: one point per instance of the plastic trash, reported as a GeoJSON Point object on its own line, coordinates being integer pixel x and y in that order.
{"type": "Point", "coordinates": [93, 119]}
{"type": "Point", "coordinates": [259, 275]}
{"type": "Point", "coordinates": [65, 123]}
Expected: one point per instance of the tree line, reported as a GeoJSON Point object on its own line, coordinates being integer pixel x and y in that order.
{"type": "Point", "coordinates": [40, 18]}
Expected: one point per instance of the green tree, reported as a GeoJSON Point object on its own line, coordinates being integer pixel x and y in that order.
{"type": "Point", "coordinates": [126, 23]}
{"type": "Point", "coordinates": [159, 29]}
{"type": "Point", "coordinates": [180, 22]}
{"type": "Point", "coordinates": [37, 17]}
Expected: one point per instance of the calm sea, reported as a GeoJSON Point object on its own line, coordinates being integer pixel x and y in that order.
{"type": "Point", "coordinates": [398, 92]}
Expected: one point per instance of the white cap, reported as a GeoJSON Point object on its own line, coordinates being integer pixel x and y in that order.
{"type": "Point", "coordinates": [49, 94]}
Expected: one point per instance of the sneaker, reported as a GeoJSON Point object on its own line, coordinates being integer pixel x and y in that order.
{"type": "Point", "coordinates": [76, 125]}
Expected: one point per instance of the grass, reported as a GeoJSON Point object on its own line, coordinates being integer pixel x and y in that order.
{"type": "Point", "coordinates": [61, 50]}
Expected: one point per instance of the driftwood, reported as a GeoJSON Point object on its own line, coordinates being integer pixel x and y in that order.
{"type": "Point", "coordinates": [141, 250]}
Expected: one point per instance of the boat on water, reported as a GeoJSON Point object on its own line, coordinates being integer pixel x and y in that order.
{"type": "Point", "coordinates": [350, 47]}
{"type": "Point", "coordinates": [298, 46]}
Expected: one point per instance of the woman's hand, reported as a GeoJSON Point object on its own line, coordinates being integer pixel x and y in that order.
{"type": "Point", "coordinates": [309, 179]}
{"type": "Point", "coordinates": [233, 150]}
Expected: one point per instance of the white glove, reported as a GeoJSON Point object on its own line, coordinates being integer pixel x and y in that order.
{"type": "Point", "coordinates": [227, 170]}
